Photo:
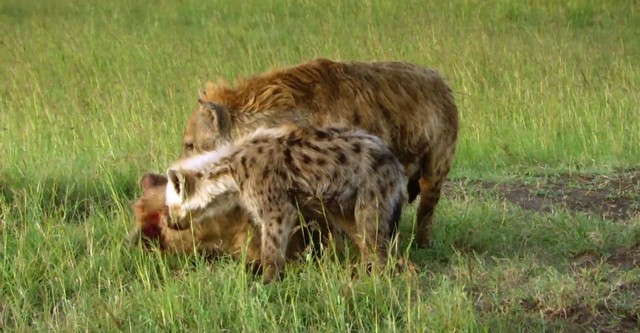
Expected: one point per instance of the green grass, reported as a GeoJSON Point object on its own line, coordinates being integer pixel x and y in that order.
{"type": "Point", "coordinates": [95, 93]}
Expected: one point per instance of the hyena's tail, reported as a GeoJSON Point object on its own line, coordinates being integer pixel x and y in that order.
{"type": "Point", "coordinates": [396, 215]}
{"type": "Point", "coordinates": [398, 197]}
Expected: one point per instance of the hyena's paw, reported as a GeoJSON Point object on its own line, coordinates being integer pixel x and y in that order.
{"type": "Point", "coordinates": [271, 273]}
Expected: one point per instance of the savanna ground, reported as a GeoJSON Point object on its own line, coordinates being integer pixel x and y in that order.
{"type": "Point", "coordinates": [538, 229]}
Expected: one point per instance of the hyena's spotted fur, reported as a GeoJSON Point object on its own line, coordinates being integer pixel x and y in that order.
{"type": "Point", "coordinates": [274, 172]}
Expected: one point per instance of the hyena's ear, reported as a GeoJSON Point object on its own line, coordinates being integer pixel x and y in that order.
{"type": "Point", "coordinates": [183, 183]}
{"type": "Point", "coordinates": [150, 180]}
{"type": "Point", "coordinates": [176, 183]}
{"type": "Point", "coordinates": [216, 116]}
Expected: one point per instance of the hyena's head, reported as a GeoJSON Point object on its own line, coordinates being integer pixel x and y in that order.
{"type": "Point", "coordinates": [193, 196]}
{"type": "Point", "coordinates": [209, 127]}
{"type": "Point", "coordinates": [150, 210]}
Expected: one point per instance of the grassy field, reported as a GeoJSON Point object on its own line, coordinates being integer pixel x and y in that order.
{"type": "Point", "coordinates": [538, 229]}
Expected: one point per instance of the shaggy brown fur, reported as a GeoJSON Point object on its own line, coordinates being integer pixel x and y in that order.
{"type": "Point", "coordinates": [410, 107]}
{"type": "Point", "coordinates": [274, 173]}
{"type": "Point", "coordinates": [227, 234]}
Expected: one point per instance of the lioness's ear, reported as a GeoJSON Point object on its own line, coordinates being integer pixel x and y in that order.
{"type": "Point", "coordinates": [218, 116]}
{"type": "Point", "coordinates": [150, 180]}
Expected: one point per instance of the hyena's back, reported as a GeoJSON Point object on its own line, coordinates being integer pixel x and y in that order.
{"type": "Point", "coordinates": [335, 164]}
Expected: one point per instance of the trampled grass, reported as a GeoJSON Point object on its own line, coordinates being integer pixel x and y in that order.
{"type": "Point", "coordinates": [95, 93]}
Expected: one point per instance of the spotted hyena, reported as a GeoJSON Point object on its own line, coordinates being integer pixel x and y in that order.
{"type": "Point", "coordinates": [233, 233]}
{"type": "Point", "coordinates": [272, 172]}
{"type": "Point", "coordinates": [408, 106]}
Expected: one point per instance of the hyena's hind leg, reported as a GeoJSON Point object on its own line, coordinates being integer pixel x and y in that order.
{"type": "Point", "coordinates": [276, 217]}
{"type": "Point", "coordinates": [432, 175]}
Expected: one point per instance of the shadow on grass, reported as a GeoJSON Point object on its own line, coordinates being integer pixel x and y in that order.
{"type": "Point", "coordinates": [559, 214]}
{"type": "Point", "coordinates": [71, 199]}
{"type": "Point", "coordinates": [613, 196]}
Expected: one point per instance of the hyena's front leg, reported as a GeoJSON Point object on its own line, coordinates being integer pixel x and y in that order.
{"type": "Point", "coordinates": [277, 217]}
{"type": "Point", "coordinates": [372, 223]}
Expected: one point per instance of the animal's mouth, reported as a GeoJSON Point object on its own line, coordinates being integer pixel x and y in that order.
{"type": "Point", "coordinates": [176, 224]}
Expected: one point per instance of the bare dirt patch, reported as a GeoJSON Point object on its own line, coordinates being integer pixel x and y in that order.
{"type": "Point", "coordinates": [625, 258]}
{"type": "Point", "coordinates": [613, 197]}
{"type": "Point", "coordinates": [617, 311]}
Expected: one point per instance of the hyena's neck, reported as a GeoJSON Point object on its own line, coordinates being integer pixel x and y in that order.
{"type": "Point", "coordinates": [221, 182]}
{"type": "Point", "coordinates": [212, 192]}
{"type": "Point", "coordinates": [249, 122]}
{"type": "Point", "coordinates": [221, 192]}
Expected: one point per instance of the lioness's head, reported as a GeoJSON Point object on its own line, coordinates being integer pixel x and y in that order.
{"type": "Point", "coordinates": [150, 210]}
{"type": "Point", "coordinates": [209, 126]}
{"type": "Point", "coordinates": [194, 195]}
